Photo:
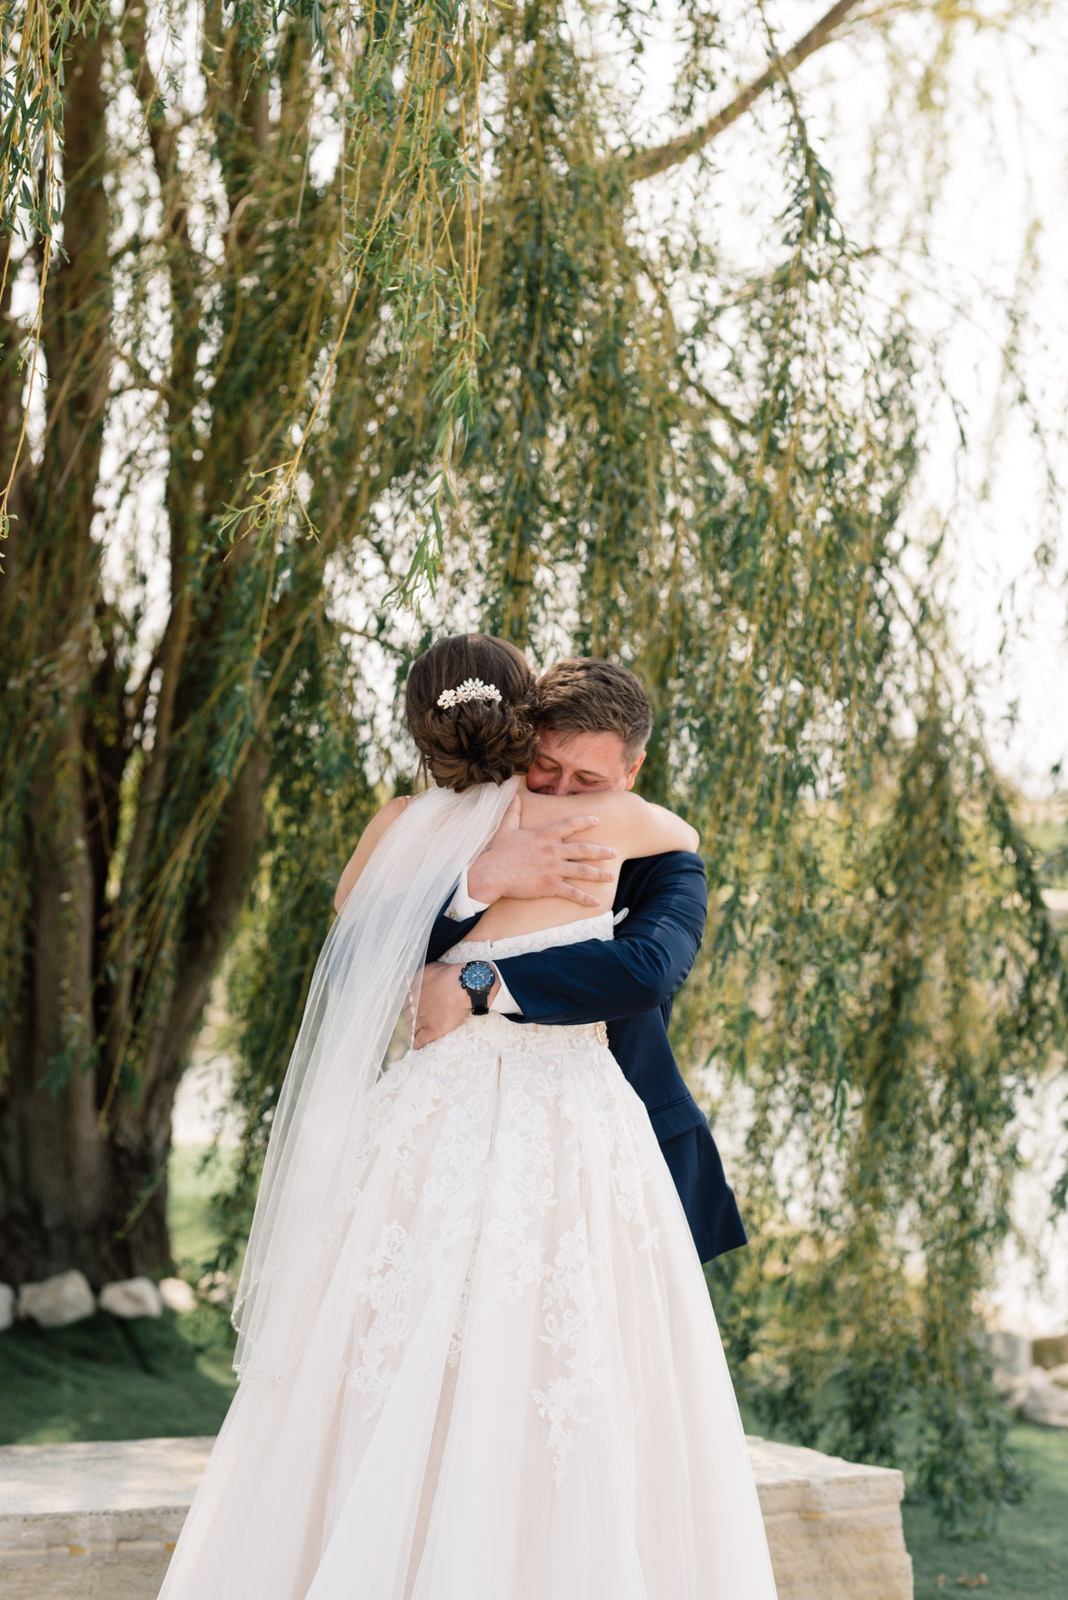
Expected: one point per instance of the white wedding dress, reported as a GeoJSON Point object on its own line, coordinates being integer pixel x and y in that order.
{"type": "Point", "coordinates": [514, 1388]}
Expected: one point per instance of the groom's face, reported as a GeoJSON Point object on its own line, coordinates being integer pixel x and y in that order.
{"type": "Point", "coordinates": [581, 763]}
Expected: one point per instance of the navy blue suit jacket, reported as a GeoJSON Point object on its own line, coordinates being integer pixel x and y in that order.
{"type": "Point", "coordinates": [629, 982]}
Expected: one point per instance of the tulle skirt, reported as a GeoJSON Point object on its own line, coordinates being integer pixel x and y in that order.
{"type": "Point", "coordinates": [514, 1388]}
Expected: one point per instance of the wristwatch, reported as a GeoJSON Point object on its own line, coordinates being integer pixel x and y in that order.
{"type": "Point", "coordinates": [478, 978]}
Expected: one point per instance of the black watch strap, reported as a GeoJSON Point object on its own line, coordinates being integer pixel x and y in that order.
{"type": "Point", "coordinates": [478, 978]}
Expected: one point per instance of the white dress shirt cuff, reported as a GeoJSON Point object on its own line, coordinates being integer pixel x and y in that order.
{"type": "Point", "coordinates": [461, 906]}
{"type": "Point", "coordinates": [502, 1000]}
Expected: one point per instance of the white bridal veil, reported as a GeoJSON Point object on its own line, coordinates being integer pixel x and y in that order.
{"type": "Point", "coordinates": [367, 965]}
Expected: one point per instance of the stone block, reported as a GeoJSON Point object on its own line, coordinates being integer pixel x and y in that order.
{"type": "Point", "coordinates": [57, 1301]}
{"type": "Point", "coordinates": [7, 1306]}
{"type": "Point", "coordinates": [93, 1521]}
{"type": "Point", "coordinates": [132, 1297]}
{"type": "Point", "coordinates": [1050, 1352]}
{"type": "Point", "coordinates": [99, 1521]}
{"type": "Point", "coordinates": [834, 1527]}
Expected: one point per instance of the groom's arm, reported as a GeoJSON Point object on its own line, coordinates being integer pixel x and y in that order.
{"type": "Point", "coordinates": [525, 864]}
{"type": "Point", "coordinates": [600, 980]}
{"type": "Point", "coordinates": [597, 980]}
{"type": "Point", "coordinates": [447, 931]}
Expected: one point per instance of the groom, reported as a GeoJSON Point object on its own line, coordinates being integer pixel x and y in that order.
{"type": "Point", "coordinates": [594, 721]}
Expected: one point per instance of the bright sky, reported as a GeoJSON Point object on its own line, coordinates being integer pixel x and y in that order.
{"type": "Point", "coordinates": [999, 219]}
{"type": "Point", "coordinates": [1003, 197]}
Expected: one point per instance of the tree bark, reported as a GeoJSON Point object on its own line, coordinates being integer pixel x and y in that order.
{"type": "Point", "coordinates": [85, 1134]}
{"type": "Point", "coordinates": [54, 1178]}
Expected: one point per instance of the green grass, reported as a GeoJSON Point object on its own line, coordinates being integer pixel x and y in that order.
{"type": "Point", "coordinates": [193, 1177]}
{"type": "Point", "coordinates": [108, 1379]}
{"type": "Point", "coordinates": [1026, 1557]}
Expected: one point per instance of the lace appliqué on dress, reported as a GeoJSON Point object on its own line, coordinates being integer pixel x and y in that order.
{"type": "Point", "coordinates": [570, 1301]}
{"type": "Point", "coordinates": [387, 1288]}
{"type": "Point", "coordinates": [452, 1183]}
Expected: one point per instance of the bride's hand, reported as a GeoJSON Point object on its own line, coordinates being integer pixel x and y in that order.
{"type": "Point", "coordinates": [536, 863]}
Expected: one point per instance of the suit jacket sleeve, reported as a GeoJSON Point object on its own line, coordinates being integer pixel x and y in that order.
{"type": "Point", "coordinates": [446, 932]}
{"type": "Point", "coordinates": [600, 980]}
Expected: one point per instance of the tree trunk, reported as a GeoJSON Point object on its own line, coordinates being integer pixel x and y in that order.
{"type": "Point", "coordinates": [75, 1189]}
{"type": "Point", "coordinates": [106, 1011]}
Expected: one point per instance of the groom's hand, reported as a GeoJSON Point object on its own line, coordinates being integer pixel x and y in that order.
{"type": "Point", "coordinates": [535, 863]}
{"type": "Point", "coordinates": [443, 1003]}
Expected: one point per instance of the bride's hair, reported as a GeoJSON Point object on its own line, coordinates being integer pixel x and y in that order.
{"type": "Point", "coordinates": [472, 740]}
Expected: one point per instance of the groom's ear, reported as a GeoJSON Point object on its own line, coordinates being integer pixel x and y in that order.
{"type": "Point", "coordinates": [632, 772]}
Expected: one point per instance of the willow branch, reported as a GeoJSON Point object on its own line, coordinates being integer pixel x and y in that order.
{"type": "Point", "coordinates": [183, 278]}
{"type": "Point", "coordinates": [649, 162]}
{"type": "Point", "coordinates": [162, 136]}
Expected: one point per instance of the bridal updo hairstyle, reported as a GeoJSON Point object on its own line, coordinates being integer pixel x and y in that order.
{"type": "Point", "coordinates": [476, 741]}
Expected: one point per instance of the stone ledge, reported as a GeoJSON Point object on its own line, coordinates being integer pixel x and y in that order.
{"type": "Point", "coordinates": [834, 1527]}
{"type": "Point", "coordinates": [93, 1521]}
{"type": "Point", "coordinates": [99, 1521]}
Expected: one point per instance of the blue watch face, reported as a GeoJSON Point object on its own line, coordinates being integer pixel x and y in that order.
{"type": "Point", "coordinates": [477, 977]}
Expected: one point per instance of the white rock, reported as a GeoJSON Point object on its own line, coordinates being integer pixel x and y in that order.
{"type": "Point", "coordinates": [1012, 1391]}
{"type": "Point", "coordinates": [1059, 1376]}
{"type": "Point", "coordinates": [217, 1288]}
{"type": "Point", "coordinates": [1046, 1402]}
{"type": "Point", "coordinates": [56, 1301]}
{"type": "Point", "coordinates": [177, 1295]}
{"type": "Point", "coordinates": [132, 1297]}
{"type": "Point", "coordinates": [7, 1306]}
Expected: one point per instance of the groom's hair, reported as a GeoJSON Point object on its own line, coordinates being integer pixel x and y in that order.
{"type": "Point", "coordinates": [588, 695]}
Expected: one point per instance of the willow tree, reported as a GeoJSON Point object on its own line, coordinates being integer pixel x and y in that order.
{"type": "Point", "coordinates": [314, 314]}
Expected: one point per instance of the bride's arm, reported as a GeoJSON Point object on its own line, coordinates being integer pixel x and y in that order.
{"type": "Point", "coordinates": [368, 839]}
{"type": "Point", "coordinates": [634, 826]}
{"type": "Point", "coordinates": [654, 830]}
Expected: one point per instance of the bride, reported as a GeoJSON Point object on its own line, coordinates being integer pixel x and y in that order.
{"type": "Point", "coordinates": [477, 1355]}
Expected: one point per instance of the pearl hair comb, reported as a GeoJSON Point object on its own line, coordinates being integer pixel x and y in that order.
{"type": "Point", "coordinates": [470, 689]}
